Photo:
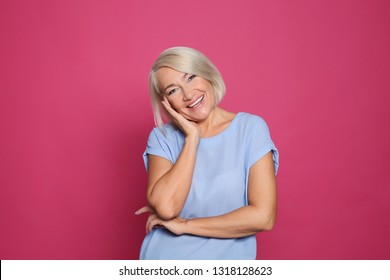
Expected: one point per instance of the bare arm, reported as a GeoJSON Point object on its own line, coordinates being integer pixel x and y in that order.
{"type": "Point", "coordinates": [169, 184]}
{"type": "Point", "coordinates": [259, 215]}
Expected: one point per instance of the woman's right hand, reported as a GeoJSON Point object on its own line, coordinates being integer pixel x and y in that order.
{"type": "Point", "coordinates": [190, 129]}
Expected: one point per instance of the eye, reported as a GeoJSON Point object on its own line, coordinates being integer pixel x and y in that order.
{"type": "Point", "coordinates": [173, 91]}
{"type": "Point", "coordinates": [191, 77]}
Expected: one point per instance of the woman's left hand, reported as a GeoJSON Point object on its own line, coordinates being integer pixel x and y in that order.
{"type": "Point", "coordinates": [175, 225]}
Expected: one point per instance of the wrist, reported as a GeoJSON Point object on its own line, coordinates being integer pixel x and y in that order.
{"type": "Point", "coordinates": [192, 139]}
{"type": "Point", "coordinates": [185, 226]}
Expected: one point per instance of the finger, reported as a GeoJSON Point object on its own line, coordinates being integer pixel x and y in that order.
{"type": "Point", "coordinates": [147, 225]}
{"type": "Point", "coordinates": [144, 209]}
{"type": "Point", "coordinates": [166, 103]}
{"type": "Point", "coordinates": [152, 222]}
{"type": "Point", "coordinates": [177, 118]}
{"type": "Point", "coordinates": [169, 108]}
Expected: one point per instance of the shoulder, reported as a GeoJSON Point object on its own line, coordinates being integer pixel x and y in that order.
{"type": "Point", "coordinates": [165, 130]}
{"type": "Point", "coordinates": [166, 133]}
{"type": "Point", "coordinates": [251, 121]}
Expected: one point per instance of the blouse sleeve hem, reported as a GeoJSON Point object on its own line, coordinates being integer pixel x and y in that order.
{"type": "Point", "coordinates": [154, 153]}
{"type": "Point", "coordinates": [262, 152]}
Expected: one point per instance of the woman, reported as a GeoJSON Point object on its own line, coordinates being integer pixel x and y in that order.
{"type": "Point", "coordinates": [211, 173]}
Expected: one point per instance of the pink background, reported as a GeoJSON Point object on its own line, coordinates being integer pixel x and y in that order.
{"type": "Point", "coordinates": [75, 116]}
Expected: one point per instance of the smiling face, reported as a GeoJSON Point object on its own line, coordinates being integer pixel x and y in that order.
{"type": "Point", "coordinates": [190, 95]}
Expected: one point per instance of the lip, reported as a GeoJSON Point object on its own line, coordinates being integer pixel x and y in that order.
{"type": "Point", "coordinates": [199, 102]}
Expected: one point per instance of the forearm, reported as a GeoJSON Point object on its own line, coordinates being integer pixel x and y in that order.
{"type": "Point", "coordinates": [259, 215]}
{"type": "Point", "coordinates": [242, 222]}
{"type": "Point", "coordinates": [169, 193]}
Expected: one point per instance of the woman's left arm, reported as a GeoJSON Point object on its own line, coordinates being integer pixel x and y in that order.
{"type": "Point", "coordinates": [259, 215]}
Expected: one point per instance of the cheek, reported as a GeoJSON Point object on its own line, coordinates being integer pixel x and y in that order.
{"type": "Point", "coordinates": [174, 104]}
{"type": "Point", "coordinates": [212, 98]}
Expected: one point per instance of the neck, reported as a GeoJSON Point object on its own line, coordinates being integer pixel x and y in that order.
{"type": "Point", "coordinates": [215, 123]}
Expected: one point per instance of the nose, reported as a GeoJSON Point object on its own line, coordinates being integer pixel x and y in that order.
{"type": "Point", "coordinates": [188, 94]}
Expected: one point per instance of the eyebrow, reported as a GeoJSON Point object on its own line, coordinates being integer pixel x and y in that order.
{"type": "Point", "coordinates": [171, 85]}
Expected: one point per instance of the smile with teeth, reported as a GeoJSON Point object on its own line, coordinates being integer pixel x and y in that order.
{"type": "Point", "coordinates": [197, 101]}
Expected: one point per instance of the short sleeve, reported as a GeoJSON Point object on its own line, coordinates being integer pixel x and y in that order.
{"type": "Point", "coordinates": [157, 145]}
{"type": "Point", "coordinates": [260, 143]}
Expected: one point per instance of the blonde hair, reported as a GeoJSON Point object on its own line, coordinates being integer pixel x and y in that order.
{"type": "Point", "coordinates": [186, 60]}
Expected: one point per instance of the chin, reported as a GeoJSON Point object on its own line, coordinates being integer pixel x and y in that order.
{"type": "Point", "coordinates": [198, 116]}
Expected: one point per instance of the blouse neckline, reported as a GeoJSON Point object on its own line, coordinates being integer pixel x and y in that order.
{"type": "Point", "coordinates": [224, 132]}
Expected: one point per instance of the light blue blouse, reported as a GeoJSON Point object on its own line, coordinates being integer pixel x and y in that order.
{"type": "Point", "coordinates": [219, 185]}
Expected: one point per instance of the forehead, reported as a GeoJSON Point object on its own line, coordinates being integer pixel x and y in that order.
{"type": "Point", "coordinates": [166, 75]}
